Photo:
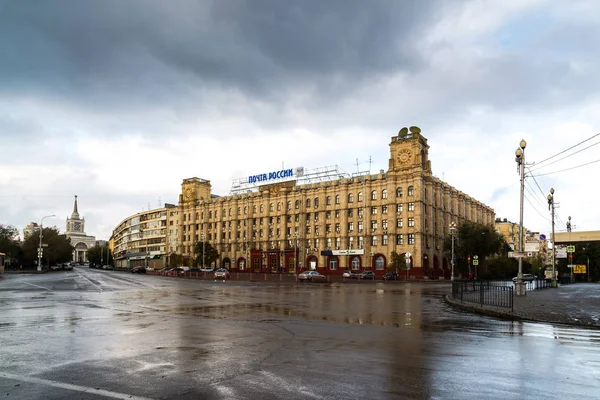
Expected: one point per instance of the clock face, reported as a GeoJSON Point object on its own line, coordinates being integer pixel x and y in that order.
{"type": "Point", "coordinates": [77, 226]}
{"type": "Point", "coordinates": [404, 156]}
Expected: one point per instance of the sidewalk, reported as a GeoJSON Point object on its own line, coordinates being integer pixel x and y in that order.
{"type": "Point", "coordinates": [576, 304]}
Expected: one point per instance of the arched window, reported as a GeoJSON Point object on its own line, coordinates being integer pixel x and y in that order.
{"type": "Point", "coordinates": [271, 207]}
{"type": "Point", "coordinates": [411, 191]}
{"type": "Point", "coordinates": [355, 262]}
{"type": "Point", "coordinates": [337, 199]}
{"type": "Point", "coordinates": [399, 192]}
{"type": "Point", "coordinates": [379, 262]}
{"type": "Point", "coordinates": [328, 200]}
{"type": "Point", "coordinates": [350, 198]}
{"type": "Point", "coordinates": [210, 214]}
{"type": "Point", "coordinates": [289, 205]}
{"type": "Point", "coordinates": [254, 208]}
{"type": "Point", "coordinates": [278, 206]}
{"type": "Point", "coordinates": [384, 194]}
{"type": "Point", "coordinates": [316, 202]}
{"type": "Point", "coordinates": [307, 203]}
{"type": "Point", "coordinates": [360, 196]}
{"type": "Point", "coordinates": [374, 195]}
{"type": "Point", "coordinates": [297, 204]}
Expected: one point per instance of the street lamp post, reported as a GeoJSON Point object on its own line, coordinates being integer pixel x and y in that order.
{"type": "Point", "coordinates": [521, 289]}
{"type": "Point", "coordinates": [39, 266]}
{"type": "Point", "coordinates": [551, 207]}
{"type": "Point", "coordinates": [452, 234]}
{"type": "Point", "coordinates": [295, 252]}
{"type": "Point", "coordinates": [203, 248]}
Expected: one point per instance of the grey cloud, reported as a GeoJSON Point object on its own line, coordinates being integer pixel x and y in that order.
{"type": "Point", "coordinates": [139, 52]}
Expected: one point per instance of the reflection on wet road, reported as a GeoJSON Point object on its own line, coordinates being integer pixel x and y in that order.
{"type": "Point", "coordinates": [114, 335]}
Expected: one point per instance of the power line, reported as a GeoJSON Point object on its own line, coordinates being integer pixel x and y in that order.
{"type": "Point", "coordinates": [536, 210]}
{"type": "Point", "coordinates": [567, 169]}
{"type": "Point", "coordinates": [567, 156]}
{"type": "Point", "coordinates": [564, 151]}
{"type": "Point", "coordinates": [533, 195]}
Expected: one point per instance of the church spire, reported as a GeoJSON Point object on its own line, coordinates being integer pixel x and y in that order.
{"type": "Point", "coordinates": [75, 214]}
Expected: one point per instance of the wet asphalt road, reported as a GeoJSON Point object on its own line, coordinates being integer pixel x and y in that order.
{"type": "Point", "coordinates": [89, 334]}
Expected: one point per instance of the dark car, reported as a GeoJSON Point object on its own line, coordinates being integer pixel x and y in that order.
{"type": "Point", "coordinates": [390, 276]}
{"type": "Point", "coordinates": [138, 270]}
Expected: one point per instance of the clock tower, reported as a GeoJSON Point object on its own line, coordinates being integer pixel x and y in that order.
{"type": "Point", "coordinates": [409, 152]}
{"type": "Point", "coordinates": [76, 232]}
{"type": "Point", "coordinates": [75, 224]}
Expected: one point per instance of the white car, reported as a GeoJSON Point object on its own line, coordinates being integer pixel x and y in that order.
{"type": "Point", "coordinates": [526, 278]}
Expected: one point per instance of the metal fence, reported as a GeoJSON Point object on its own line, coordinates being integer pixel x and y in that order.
{"type": "Point", "coordinates": [483, 293]}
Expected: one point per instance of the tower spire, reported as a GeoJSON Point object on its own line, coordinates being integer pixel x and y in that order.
{"type": "Point", "coordinates": [75, 212]}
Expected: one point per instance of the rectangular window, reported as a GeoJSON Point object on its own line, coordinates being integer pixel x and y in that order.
{"type": "Point", "coordinates": [360, 226]}
{"type": "Point", "coordinates": [333, 263]}
{"type": "Point", "coordinates": [360, 213]}
{"type": "Point", "coordinates": [411, 206]}
{"type": "Point", "coordinates": [399, 239]}
{"type": "Point", "coordinates": [411, 238]}
{"type": "Point", "coordinates": [384, 209]}
{"type": "Point", "coordinates": [384, 224]}
{"type": "Point", "coordinates": [373, 210]}
{"type": "Point", "coordinates": [399, 208]}
{"type": "Point", "coordinates": [374, 240]}
{"type": "Point", "coordinates": [337, 213]}
{"type": "Point", "coordinates": [384, 240]}
{"type": "Point", "coordinates": [350, 226]}
{"type": "Point", "coordinates": [373, 226]}
{"type": "Point", "coordinates": [399, 223]}
{"type": "Point", "coordinates": [350, 213]}
{"type": "Point", "coordinates": [411, 222]}
{"type": "Point", "coordinates": [361, 242]}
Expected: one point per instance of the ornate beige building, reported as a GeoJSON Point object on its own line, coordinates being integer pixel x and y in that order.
{"type": "Point", "coordinates": [346, 223]}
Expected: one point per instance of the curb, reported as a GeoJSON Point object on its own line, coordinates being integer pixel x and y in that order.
{"type": "Point", "coordinates": [511, 315]}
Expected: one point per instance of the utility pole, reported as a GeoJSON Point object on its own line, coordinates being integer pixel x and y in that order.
{"type": "Point", "coordinates": [554, 284]}
{"type": "Point", "coordinates": [521, 288]}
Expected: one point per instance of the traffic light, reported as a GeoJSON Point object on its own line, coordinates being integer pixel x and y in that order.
{"type": "Point", "coordinates": [469, 258]}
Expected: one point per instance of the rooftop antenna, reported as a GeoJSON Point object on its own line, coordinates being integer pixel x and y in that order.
{"type": "Point", "coordinates": [159, 203]}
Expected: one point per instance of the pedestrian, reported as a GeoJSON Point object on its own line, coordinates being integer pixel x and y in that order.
{"type": "Point", "coordinates": [21, 267]}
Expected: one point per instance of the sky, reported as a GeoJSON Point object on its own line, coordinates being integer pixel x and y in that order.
{"type": "Point", "coordinates": [119, 101]}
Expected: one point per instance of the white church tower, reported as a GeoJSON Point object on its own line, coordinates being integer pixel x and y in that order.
{"type": "Point", "coordinates": [76, 232]}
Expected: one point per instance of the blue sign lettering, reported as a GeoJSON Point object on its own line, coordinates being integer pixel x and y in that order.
{"type": "Point", "coordinates": [284, 173]}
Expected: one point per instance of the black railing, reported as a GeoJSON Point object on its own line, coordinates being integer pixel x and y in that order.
{"type": "Point", "coordinates": [483, 293]}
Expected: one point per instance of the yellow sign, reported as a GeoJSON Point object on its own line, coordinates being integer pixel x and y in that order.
{"type": "Point", "coordinates": [571, 249]}
{"type": "Point", "coordinates": [579, 269]}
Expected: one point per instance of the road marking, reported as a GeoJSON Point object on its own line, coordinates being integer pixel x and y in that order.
{"type": "Point", "coordinates": [68, 386]}
{"type": "Point", "coordinates": [41, 287]}
{"type": "Point", "coordinates": [87, 279]}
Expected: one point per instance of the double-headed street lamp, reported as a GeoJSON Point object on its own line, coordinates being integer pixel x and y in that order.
{"type": "Point", "coordinates": [551, 208]}
{"type": "Point", "coordinates": [521, 289]}
{"type": "Point", "coordinates": [452, 234]}
{"type": "Point", "coordinates": [40, 251]}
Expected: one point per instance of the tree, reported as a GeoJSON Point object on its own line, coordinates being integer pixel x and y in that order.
{"type": "Point", "coordinates": [474, 239]}
{"type": "Point", "coordinates": [397, 262]}
{"type": "Point", "coordinates": [210, 253]}
{"type": "Point", "coordinates": [59, 249]}
{"type": "Point", "coordinates": [100, 255]}
{"type": "Point", "coordinates": [9, 241]}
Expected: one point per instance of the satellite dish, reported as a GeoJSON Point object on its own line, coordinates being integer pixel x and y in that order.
{"type": "Point", "coordinates": [403, 132]}
{"type": "Point", "coordinates": [415, 129]}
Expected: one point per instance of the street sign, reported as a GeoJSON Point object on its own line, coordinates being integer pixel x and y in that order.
{"type": "Point", "coordinates": [475, 260]}
{"type": "Point", "coordinates": [542, 237]}
{"type": "Point", "coordinates": [518, 254]}
{"type": "Point", "coordinates": [571, 249]}
{"type": "Point", "coordinates": [579, 269]}
{"type": "Point", "coordinates": [532, 246]}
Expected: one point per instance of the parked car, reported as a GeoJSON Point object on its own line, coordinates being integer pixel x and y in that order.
{"type": "Point", "coordinates": [194, 269]}
{"type": "Point", "coordinates": [350, 274]}
{"type": "Point", "coordinates": [207, 269]}
{"type": "Point", "coordinates": [366, 275]}
{"type": "Point", "coordinates": [311, 276]}
{"type": "Point", "coordinates": [221, 273]}
{"type": "Point", "coordinates": [390, 276]}
{"type": "Point", "coordinates": [138, 270]}
{"type": "Point", "coordinates": [526, 278]}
